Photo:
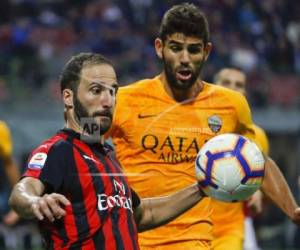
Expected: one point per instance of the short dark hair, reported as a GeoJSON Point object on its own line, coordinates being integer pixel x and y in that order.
{"type": "Point", "coordinates": [184, 18]}
{"type": "Point", "coordinates": [71, 72]}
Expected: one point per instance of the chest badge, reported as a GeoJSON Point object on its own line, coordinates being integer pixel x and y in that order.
{"type": "Point", "coordinates": [214, 123]}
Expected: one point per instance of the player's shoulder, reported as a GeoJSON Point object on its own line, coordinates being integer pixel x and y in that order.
{"type": "Point", "coordinates": [51, 148]}
{"type": "Point", "coordinates": [258, 129]}
{"type": "Point", "coordinates": [220, 90]}
{"type": "Point", "coordinates": [225, 94]}
{"type": "Point", "coordinates": [2, 123]}
{"type": "Point", "coordinates": [57, 143]}
{"type": "Point", "coordinates": [3, 126]}
{"type": "Point", "coordinates": [137, 88]}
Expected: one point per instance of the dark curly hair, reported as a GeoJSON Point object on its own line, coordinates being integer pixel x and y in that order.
{"type": "Point", "coordinates": [184, 18]}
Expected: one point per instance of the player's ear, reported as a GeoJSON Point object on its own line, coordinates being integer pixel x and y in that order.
{"type": "Point", "coordinates": [68, 98]}
{"type": "Point", "coordinates": [158, 44]}
{"type": "Point", "coordinates": [207, 49]}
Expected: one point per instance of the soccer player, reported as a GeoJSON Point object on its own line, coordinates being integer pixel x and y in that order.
{"type": "Point", "coordinates": [160, 124]}
{"type": "Point", "coordinates": [74, 185]}
{"type": "Point", "coordinates": [239, 228]}
{"type": "Point", "coordinates": [9, 174]}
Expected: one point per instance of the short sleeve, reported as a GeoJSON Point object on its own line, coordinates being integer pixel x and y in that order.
{"type": "Point", "coordinates": [245, 123]}
{"type": "Point", "coordinates": [50, 165]}
{"type": "Point", "coordinates": [5, 140]}
{"type": "Point", "coordinates": [261, 139]}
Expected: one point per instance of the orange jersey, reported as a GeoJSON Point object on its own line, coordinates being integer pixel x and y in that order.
{"type": "Point", "coordinates": [262, 142]}
{"type": "Point", "coordinates": [228, 218]}
{"type": "Point", "coordinates": [5, 141]}
{"type": "Point", "coordinates": [261, 139]}
{"type": "Point", "coordinates": [157, 140]}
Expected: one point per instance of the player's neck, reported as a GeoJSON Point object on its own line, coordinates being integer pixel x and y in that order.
{"type": "Point", "coordinates": [72, 124]}
{"type": "Point", "coordinates": [180, 95]}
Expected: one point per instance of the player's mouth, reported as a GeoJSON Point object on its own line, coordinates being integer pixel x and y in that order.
{"type": "Point", "coordinates": [103, 114]}
{"type": "Point", "coordinates": [184, 74]}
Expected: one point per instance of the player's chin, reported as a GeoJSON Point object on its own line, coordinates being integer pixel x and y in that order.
{"type": "Point", "coordinates": [105, 125]}
{"type": "Point", "coordinates": [102, 120]}
{"type": "Point", "coordinates": [182, 85]}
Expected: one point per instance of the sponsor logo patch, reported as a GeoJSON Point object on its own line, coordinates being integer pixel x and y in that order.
{"type": "Point", "coordinates": [37, 161]}
{"type": "Point", "coordinates": [117, 199]}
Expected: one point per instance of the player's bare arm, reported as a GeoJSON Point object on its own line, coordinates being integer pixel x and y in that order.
{"type": "Point", "coordinates": [276, 188]}
{"type": "Point", "coordinates": [28, 200]}
{"type": "Point", "coordinates": [154, 212]}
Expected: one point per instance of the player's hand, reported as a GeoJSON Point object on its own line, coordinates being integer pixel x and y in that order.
{"type": "Point", "coordinates": [255, 202]}
{"type": "Point", "coordinates": [296, 218]}
{"type": "Point", "coordinates": [49, 206]}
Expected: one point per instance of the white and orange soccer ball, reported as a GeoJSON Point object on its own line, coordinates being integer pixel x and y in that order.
{"type": "Point", "coordinates": [229, 167]}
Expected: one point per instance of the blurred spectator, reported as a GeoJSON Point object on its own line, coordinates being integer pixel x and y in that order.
{"type": "Point", "coordinates": [36, 37]}
{"type": "Point", "coordinates": [9, 175]}
{"type": "Point", "coordinates": [4, 94]}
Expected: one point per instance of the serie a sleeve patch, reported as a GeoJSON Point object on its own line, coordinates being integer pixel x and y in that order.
{"type": "Point", "coordinates": [37, 161]}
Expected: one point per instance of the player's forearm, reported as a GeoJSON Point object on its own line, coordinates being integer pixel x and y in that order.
{"type": "Point", "coordinates": [276, 188]}
{"type": "Point", "coordinates": [22, 198]}
{"type": "Point", "coordinates": [161, 210]}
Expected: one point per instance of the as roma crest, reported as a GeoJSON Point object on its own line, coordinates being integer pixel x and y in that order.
{"type": "Point", "coordinates": [214, 123]}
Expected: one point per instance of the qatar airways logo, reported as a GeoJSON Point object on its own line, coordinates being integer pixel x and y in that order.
{"type": "Point", "coordinates": [118, 200]}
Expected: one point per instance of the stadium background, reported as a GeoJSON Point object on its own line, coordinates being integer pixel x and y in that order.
{"type": "Point", "coordinates": [261, 37]}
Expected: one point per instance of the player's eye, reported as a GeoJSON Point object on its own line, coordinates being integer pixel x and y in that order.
{"type": "Point", "coordinates": [112, 91]}
{"type": "Point", "coordinates": [100, 88]}
{"type": "Point", "coordinates": [175, 48]}
{"type": "Point", "coordinates": [226, 83]}
{"type": "Point", "coordinates": [239, 85]}
{"type": "Point", "coordinates": [96, 90]}
{"type": "Point", "coordinates": [194, 49]}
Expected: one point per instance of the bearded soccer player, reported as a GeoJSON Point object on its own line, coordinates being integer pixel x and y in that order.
{"type": "Point", "coordinates": [161, 123]}
{"type": "Point", "coordinates": [74, 185]}
{"type": "Point", "coordinates": [238, 226]}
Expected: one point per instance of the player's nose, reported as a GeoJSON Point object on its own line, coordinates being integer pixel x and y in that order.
{"type": "Point", "coordinates": [107, 99]}
{"type": "Point", "coordinates": [185, 57]}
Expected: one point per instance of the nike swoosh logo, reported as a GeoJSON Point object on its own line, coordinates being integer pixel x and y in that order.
{"type": "Point", "coordinates": [140, 116]}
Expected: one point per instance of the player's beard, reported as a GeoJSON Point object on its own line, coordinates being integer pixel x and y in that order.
{"type": "Point", "coordinates": [81, 112]}
{"type": "Point", "coordinates": [178, 84]}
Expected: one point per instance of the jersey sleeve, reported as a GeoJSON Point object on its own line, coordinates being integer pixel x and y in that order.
{"type": "Point", "coordinates": [261, 139]}
{"type": "Point", "coordinates": [245, 123]}
{"type": "Point", "coordinates": [265, 143]}
{"type": "Point", "coordinates": [5, 141]}
{"type": "Point", "coordinates": [49, 166]}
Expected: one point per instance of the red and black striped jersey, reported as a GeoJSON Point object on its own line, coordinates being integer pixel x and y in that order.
{"type": "Point", "coordinates": [101, 212]}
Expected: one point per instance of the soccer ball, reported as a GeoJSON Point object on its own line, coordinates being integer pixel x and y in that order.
{"type": "Point", "coordinates": [229, 167]}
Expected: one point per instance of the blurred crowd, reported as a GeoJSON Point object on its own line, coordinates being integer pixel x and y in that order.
{"type": "Point", "coordinates": [37, 36]}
